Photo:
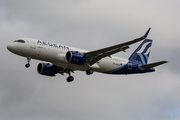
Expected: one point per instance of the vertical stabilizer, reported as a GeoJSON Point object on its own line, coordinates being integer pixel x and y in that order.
{"type": "Point", "coordinates": [141, 54]}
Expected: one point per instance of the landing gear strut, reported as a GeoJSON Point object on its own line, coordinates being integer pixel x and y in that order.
{"type": "Point", "coordinates": [28, 60]}
{"type": "Point", "coordinates": [70, 78]}
{"type": "Point", "coordinates": [89, 72]}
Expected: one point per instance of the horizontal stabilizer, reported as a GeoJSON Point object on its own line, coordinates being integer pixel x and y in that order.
{"type": "Point", "coordinates": [148, 66]}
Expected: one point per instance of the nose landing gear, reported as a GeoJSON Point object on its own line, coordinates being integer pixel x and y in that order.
{"type": "Point", "coordinates": [28, 59]}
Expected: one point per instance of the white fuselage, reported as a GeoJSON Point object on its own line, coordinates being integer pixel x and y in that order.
{"type": "Point", "coordinates": [55, 53]}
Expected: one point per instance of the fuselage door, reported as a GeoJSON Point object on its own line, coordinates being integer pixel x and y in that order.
{"type": "Point", "coordinates": [33, 44]}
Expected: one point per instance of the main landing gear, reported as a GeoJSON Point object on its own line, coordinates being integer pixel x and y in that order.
{"type": "Point", "coordinates": [89, 72]}
{"type": "Point", "coordinates": [28, 60]}
{"type": "Point", "coordinates": [70, 78]}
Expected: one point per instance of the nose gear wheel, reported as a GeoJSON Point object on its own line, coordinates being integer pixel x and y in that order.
{"type": "Point", "coordinates": [28, 60]}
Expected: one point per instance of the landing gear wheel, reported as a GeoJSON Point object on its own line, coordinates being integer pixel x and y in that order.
{"type": "Point", "coordinates": [27, 65]}
{"type": "Point", "coordinates": [89, 72]}
{"type": "Point", "coordinates": [70, 79]}
{"type": "Point", "coordinates": [28, 60]}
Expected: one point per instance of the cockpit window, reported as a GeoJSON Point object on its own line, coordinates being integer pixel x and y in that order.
{"type": "Point", "coordinates": [21, 41]}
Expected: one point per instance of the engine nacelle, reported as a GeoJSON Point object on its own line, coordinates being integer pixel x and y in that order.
{"type": "Point", "coordinates": [46, 69]}
{"type": "Point", "coordinates": [60, 58]}
{"type": "Point", "coordinates": [75, 57]}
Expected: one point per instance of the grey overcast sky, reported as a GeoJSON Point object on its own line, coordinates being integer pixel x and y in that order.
{"type": "Point", "coordinates": [90, 24]}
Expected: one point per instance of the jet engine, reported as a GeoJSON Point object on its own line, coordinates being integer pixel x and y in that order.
{"type": "Point", "coordinates": [61, 58]}
{"type": "Point", "coordinates": [46, 69]}
{"type": "Point", "coordinates": [75, 57]}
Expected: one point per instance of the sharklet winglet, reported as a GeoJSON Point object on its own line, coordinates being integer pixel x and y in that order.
{"type": "Point", "coordinates": [146, 34]}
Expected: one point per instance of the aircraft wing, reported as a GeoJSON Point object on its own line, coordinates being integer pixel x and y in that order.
{"type": "Point", "coordinates": [95, 56]}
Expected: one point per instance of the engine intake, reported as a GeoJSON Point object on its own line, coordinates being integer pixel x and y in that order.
{"type": "Point", "coordinates": [46, 69]}
{"type": "Point", "coordinates": [75, 57]}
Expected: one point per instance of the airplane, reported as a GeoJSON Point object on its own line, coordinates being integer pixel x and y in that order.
{"type": "Point", "coordinates": [65, 59]}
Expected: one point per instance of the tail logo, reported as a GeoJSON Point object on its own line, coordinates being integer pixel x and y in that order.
{"type": "Point", "coordinates": [144, 52]}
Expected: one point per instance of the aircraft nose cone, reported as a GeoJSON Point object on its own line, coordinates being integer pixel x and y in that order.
{"type": "Point", "coordinates": [10, 47]}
